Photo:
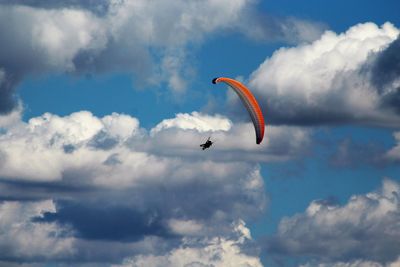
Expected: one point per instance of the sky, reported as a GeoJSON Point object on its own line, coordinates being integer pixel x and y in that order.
{"type": "Point", "coordinates": [103, 105]}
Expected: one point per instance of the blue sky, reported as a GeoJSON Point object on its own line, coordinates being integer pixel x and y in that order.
{"type": "Point", "coordinates": [104, 103]}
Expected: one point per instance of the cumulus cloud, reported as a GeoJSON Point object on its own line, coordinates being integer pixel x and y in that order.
{"type": "Point", "coordinates": [20, 237]}
{"type": "Point", "coordinates": [113, 145]}
{"type": "Point", "coordinates": [195, 121]}
{"type": "Point", "coordinates": [365, 229]}
{"type": "Point", "coordinates": [93, 170]}
{"type": "Point", "coordinates": [216, 252]}
{"type": "Point", "coordinates": [333, 79]}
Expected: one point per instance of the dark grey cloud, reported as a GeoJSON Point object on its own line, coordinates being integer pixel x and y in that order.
{"type": "Point", "coordinates": [69, 148]}
{"type": "Point", "coordinates": [385, 72]}
{"type": "Point", "coordinates": [97, 6]}
{"type": "Point", "coordinates": [7, 99]}
{"type": "Point", "coordinates": [105, 221]}
{"type": "Point", "coordinates": [99, 217]}
{"type": "Point", "coordinates": [133, 214]}
{"type": "Point", "coordinates": [103, 141]}
{"type": "Point", "coordinates": [352, 153]}
{"type": "Point", "coordinates": [11, 190]}
{"type": "Point", "coordinates": [118, 56]}
{"type": "Point", "coordinates": [386, 67]}
{"type": "Point", "coordinates": [365, 228]}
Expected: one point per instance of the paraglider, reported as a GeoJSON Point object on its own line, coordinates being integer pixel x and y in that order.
{"type": "Point", "coordinates": [249, 102]}
{"type": "Point", "coordinates": [207, 144]}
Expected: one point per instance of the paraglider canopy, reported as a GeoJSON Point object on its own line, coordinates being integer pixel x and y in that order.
{"type": "Point", "coordinates": [250, 102]}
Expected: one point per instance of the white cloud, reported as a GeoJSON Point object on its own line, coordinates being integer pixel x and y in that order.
{"type": "Point", "coordinates": [328, 81]}
{"type": "Point", "coordinates": [39, 39]}
{"type": "Point", "coordinates": [365, 229]}
{"type": "Point", "coordinates": [173, 24]}
{"type": "Point", "coordinates": [218, 252]}
{"type": "Point", "coordinates": [35, 150]}
{"type": "Point", "coordinates": [21, 237]}
{"type": "Point", "coordinates": [186, 227]}
{"type": "Point", "coordinates": [49, 147]}
{"type": "Point", "coordinates": [120, 126]}
{"type": "Point", "coordinates": [62, 34]}
{"type": "Point", "coordinates": [195, 121]}
{"type": "Point", "coordinates": [12, 118]}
